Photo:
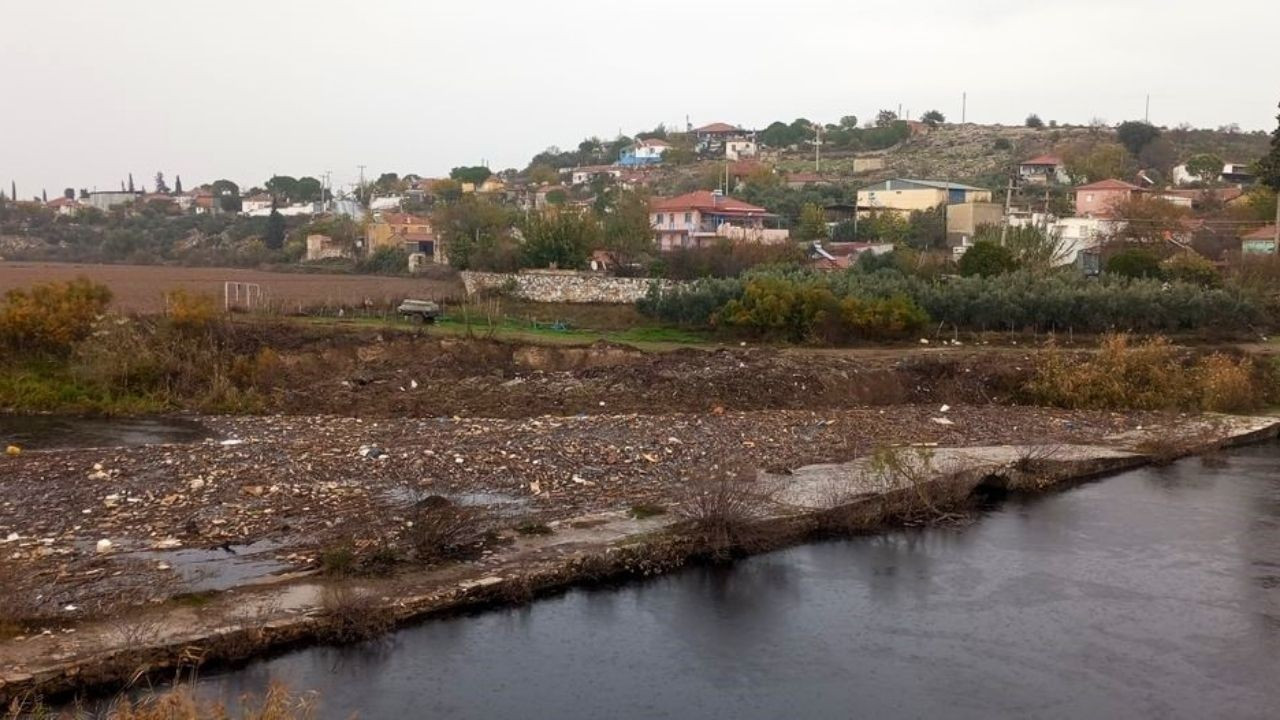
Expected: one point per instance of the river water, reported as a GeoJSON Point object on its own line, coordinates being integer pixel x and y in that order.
{"type": "Point", "coordinates": [1152, 594]}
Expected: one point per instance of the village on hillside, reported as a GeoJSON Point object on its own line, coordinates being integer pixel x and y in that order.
{"type": "Point", "coordinates": [829, 193]}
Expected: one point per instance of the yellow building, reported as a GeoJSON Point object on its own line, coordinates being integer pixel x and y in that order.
{"type": "Point", "coordinates": [965, 219]}
{"type": "Point", "coordinates": [411, 232]}
{"type": "Point", "coordinates": [908, 195]}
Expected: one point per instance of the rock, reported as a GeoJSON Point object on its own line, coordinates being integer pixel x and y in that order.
{"type": "Point", "coordinates": [12, 537]}
{"type": "Point", "coordinates": [944, 408]}
{"type": "Point", "coordinates": [13, 451]}
{"type": "Point", "coordinates": [253, 490]}
{"type": "Point", "coordinates": [370, 451]}
{"type": "Point", "coordinates": [196, 485]}
{"type": "Point", "coordinates": [103, 546]}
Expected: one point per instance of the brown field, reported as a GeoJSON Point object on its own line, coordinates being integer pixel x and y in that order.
{"type": "Point", "coordinates": [141, 288]}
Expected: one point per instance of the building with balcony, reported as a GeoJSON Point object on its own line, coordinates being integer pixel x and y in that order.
{"type": "Point", "coordinates": [701, 218]}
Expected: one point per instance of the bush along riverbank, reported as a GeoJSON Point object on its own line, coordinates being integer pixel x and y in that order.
{"type": "Point", "coordinates": [720, 513]}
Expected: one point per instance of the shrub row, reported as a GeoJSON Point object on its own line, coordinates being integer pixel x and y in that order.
{"type": "Point", "coordinates": [1012, 302]}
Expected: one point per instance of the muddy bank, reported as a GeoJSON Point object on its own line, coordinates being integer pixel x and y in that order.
{"type": "Point", "coordinates": [591, 546]}
{"type": "Point", "coordinates": [398, 374]}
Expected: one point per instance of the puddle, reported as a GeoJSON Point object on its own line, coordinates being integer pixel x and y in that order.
{"type": "Point", "coordinates": [205, 569]}
{"type": "Point", "coordinates": [43, 432]}
{"type": "Point", "coordinates": [497, 502]}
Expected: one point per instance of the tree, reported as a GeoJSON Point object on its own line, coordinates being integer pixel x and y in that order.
{"type": "Point", "coordinates": [1135, 262]}
{"type": "Point", "coordinates": [1135, 135]}
{"type": "Point", "coordinates": [69, 193]}
{"type": "Point", "coordinates": [885, 118]}
{"type": "Point", "coordinates": [813, 223]}
{"type": "Point", "coordinates": [228, 194]}
{"type": "Point", "coordinates": [475, 174]}
{"type": "Point", "coordinates": [130, 182]}
{"type": "Point", "coordinates": [541, 173]}
{"type": "Point", "coordinates": [1268, 167]}
{"type": "Point", "coordinates": [161, 187]}
{"type": "Point", "coordinates": [274, 237]}
{"type": "Point", "coordinates": [1191, 267]}
{"type": "Point", "coordinates": [1160, 155]}
{"type": "Point", "coordinates": [933, 118]}
{"type": "Point", "coordinates": [563, 238]}
{"type": "Point", "coordinates": [177, 185]}
{"type": "Point", "coordinates": [1205, 167]}
{"type": "Point", "coordinates": [308, 190]}
{"type": "Point", "coordinates": [985, 259]}
{"type": "Point", "coordinates": [1148, 219]}
{"type": "Point", "coordinates": [475, 233]}
{"type": "Point", "coordinates": [1032, 248]}
{"type": "Point", "coordinates": [1033, 121]}
{"type": "Point", "coordinates": [282, 187]}
{"type": "Point", "coordinates": [627, 233]}
{"type": "Point", "coordinates": [849, 122]}
{"type": "Point", "coordinates": [927, 229]}
{"type": "Point", "coordinates": [778, 135]}
{"type": "Point", "coordinates": [44, 196]}
{"type": "Point", "coordinates": [1091, 163]}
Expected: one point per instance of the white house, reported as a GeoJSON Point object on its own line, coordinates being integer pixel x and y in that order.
{"type": "Point", "coordinates": [740, 148]}
{"type": "Point", "coordinates": [252, 204]}
{"type": "Point", "coordinates": [584, 175]}
{"type": "Point", "coordinates": [644, 152]}
{"type": "Point", "coordinates": [1238, 173]}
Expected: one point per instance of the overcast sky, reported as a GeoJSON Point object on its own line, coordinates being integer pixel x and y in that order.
{"type": "Point", "coordinates": [242, 89]}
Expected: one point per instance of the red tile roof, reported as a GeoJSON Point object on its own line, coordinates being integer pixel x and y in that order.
{"type": "Point", "coordinates": [404, 219]}
{"type": "Point", "coordinates": [1044, 160]}
{"type": "Point", "coordinates": [705, 201]}
{"type": "Point", "coordinates": [718, 127]}
{"type": "Point", "coordinates": [1109, 185]}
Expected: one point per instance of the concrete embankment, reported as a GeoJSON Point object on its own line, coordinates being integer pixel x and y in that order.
{"type": "Point", "coordinates": [859, 494]}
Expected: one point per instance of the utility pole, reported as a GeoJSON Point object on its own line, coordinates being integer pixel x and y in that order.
{"type": "Point", "coordinates": [1008, 201]}
{"type": "Point", "coordinates": [964, 107]}
{"type": "Point", "coordinates": [1146, 114]}
{"type": "Point", "coordinates": [360, 191]}
{"type": "Point", "coordinates": [1277, 247]}
{"type": "Point", "coordinates": [817, 148]}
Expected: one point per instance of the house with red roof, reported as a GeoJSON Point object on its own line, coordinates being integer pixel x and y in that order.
{"type": "Point", "coordinates": [724, 139]}
{"type": "Point", "coordinates": [1099, 198]}
{"type": "Point", "coordinates": [1259, 242]}
{"type": "Point", "coordinates": [1043, 170]}
{"type": "Point", "coordinates": [702, 218]}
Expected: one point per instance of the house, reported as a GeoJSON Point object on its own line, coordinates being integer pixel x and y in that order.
{"type": "Point", "coordinates": [1232, 173]}
{"type": "Point", "coordinates": [834, 256]}
{"type": "Point", "coordinates": [715, 137]}
{"type": "Point", "coordinates": [491, 184]}
{"type": "Point", "coordinates": [905, 195]}
{"type": "Point", "coordinates": [644, 152]}
{"type": "Point", "coordinates": [323, 247]}
{"type": "Point", "coordinates": [106, 199]}
{"type": "Point", "coordinates": [798, 180]}
{"type": "Point", "coordinates": [64, 206]}
{"type": "Point", "coordinates": [1043, 170]}
{"type": "Point", "coordinates": [698, 219]}
{"type": "Point", "coordinates": [1099, 198]}
{"type": "Point", "coordinates": [413, 233]}
{"type": "Point", "coordinates": [584, 175]}
{"type": "Point", "coordinates": [739, 148]}
{"type": "Point", "coordinates": [1259, 242]}
{"type": "Point", "coordinates": [964, 219]}
{"type": "Point", "coordinates": [254, 204]}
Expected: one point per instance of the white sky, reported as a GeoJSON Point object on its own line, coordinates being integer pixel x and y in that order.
{"type": "Point", "coordinates": [91, 90]}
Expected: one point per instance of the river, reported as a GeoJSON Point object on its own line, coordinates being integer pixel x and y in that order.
{"type": "Point", "coordinates": [1155, 593]}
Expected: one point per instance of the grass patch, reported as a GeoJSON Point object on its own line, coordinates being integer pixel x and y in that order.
{"type": "Point", "coordinates": [643, 511]}
{"type": "Point", "coordinates": [534, 528]}
{"type": "Point", "coordinates": [338, 560]}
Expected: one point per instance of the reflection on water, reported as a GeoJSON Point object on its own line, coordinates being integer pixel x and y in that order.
{"type": "Point", "coordinates": [41, 432]}
{"type": "Point", "coordinates": [1150, 594]}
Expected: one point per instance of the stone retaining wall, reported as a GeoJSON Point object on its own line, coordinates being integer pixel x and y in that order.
{"type": "Point", "coordinates": [552, 286]}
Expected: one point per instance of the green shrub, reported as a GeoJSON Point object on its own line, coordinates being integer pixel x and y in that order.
{"type": "Point", "coordinates": [1135, 263]}
{"type": "Point", "coordinates": [385, 261]}
{"type": "Point", "coordinates": [987, 259]}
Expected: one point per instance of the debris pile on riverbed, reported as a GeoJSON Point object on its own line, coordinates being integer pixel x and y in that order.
{"type": "Point", "coordinates": [91, 528]}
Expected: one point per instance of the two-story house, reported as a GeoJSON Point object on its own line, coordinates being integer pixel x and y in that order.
{"type": "Point", "coordinates": [1100, 198]}
{"type": "Point", "coordinates": [1044, 170]}
{"type": "Point", "coordinates": [698, 219]}
{"type": "Point", "coordinates": [403, 230]}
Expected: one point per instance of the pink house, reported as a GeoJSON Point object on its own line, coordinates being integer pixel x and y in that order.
{"type": "Point", "coordinates": [701, 218]}
{"type": "Point", "coordinates": [1098, 199]}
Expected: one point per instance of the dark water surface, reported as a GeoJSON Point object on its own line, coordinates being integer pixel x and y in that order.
{"type": "Point", "coordinates": [42, 432]}
{"type": "Point", "coordinates": [1153, 594]}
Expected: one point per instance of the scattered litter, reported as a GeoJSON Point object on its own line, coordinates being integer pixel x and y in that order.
{"type": "Point", "coordinates": [944, 408]}
{"type": "Point", "coordinates": [13, 450]}
{"type": "Point", "coordinates": [942, 421]}
{"type": "Point", "coordinates": [231, 441]}
{"type": "Point", "coordinates": [372, 452]}
{"type": "Point", "coordinates": [103, 546]}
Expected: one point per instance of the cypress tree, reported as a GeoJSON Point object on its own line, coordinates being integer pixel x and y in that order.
{"type": "Point", "coordinates": [177, 184]}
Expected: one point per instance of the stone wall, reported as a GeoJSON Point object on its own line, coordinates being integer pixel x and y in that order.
{"type": "Point", "coordinates": [562, 286]}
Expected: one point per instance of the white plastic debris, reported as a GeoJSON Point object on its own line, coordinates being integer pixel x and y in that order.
{"type": "Point", "coordinates": [231, 441]}
{"type": "Point", "coordinates": [104, 545]}
{"type": "Point", "coordinates": [944, 408]}
{"type": "Point", "coordinates": [942, 421]}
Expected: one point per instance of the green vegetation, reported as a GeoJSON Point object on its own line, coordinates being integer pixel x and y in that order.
{"type": "Point", "coordinates": [985, 259]}
{"type": "Point", "coordinates": [643, 511]}
{"type": "Point", "coordinates": [1021, 300]}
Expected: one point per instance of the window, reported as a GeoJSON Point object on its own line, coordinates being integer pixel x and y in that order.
{"type": "Point", "coordinates": [1088, 197]}
{"type": "Point", "coordinates": [659, 220]}
{"type": "Point", "coordinates": [688, 218]}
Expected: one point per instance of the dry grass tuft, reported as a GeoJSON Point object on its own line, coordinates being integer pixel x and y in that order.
{"type": "Point", "coordinates": [353, 615]}
{"type": "Point", "coordinates": [180, 704]}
